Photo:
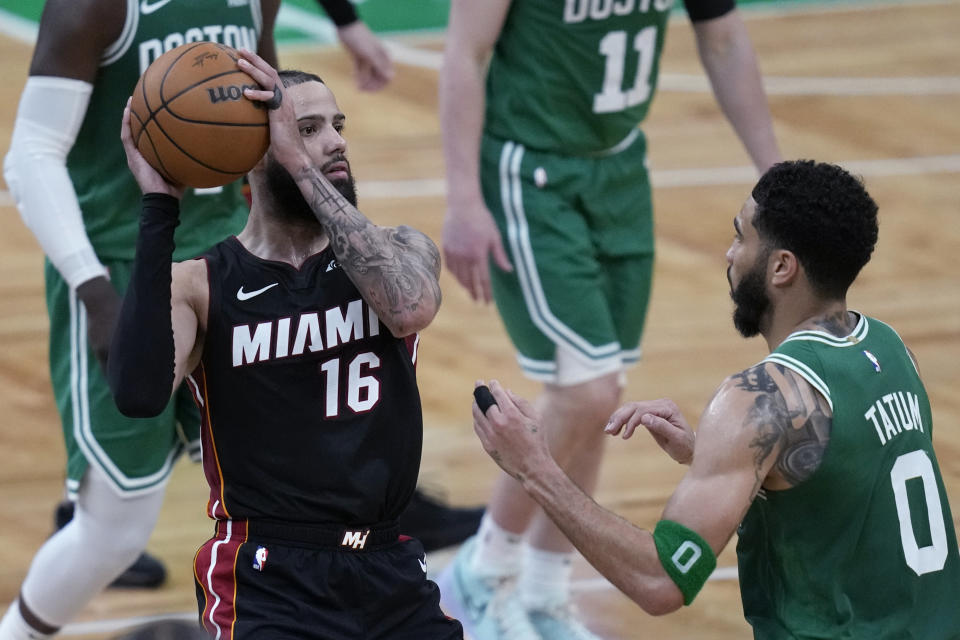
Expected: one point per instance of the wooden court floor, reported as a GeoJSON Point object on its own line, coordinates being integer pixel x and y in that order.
{"type": "Point", "coordinates": [874, 86]}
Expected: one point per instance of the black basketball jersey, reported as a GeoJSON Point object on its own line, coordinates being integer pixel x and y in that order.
{"type": "Point", "coordinates": [310, 407]}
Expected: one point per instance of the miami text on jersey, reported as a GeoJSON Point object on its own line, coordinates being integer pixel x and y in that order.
{"type": "Point", "coordinates": [311, 332]}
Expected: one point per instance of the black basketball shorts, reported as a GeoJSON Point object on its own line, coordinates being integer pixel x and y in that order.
{"type": "Point", "coordinates": [276, 582]}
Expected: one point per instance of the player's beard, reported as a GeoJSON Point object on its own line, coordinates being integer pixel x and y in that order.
{"type": "Point", "coordinates": [286, 194]}
{"type": "Point", "coordinates": [750, 299]}
{"type": "Point", "coordinates": [346, 186]}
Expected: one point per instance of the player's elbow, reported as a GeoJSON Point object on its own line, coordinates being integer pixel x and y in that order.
{"type": "Point", "coordinates": [11, 170]}
{"type": "Point", "coordinates": [413, 322]}
{"type": "Point", "coordinates": [658, 597]}
{"type": "Point", "coordinates": [661, 605]}
{"type": "Point", "coordinates": [138, 405]}
{"type": "Point", "coordinates": [29, 158]}
{"type": "Point", "coordinates": [133, 398]}
{"type": "Point", "coordinates": [416, 316]}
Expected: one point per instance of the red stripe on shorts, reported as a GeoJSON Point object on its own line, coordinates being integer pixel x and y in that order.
{"type": "Point", "coordinates": [215, 570]}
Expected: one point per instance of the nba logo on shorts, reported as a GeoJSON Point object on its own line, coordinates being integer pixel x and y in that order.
{"type": "Point", "coordinates": [260, 558]}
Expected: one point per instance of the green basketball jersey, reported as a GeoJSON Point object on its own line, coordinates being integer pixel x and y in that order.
{"type": "Point", "coordinates": [574, 76]}
{"type": "Point", "coordinates": [109, 197]}
{"type": "Point", "coordinates": [865, 547]}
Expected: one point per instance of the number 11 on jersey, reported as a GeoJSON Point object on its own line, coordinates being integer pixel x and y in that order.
{"type": "Point", "coordinates": [613, 47]}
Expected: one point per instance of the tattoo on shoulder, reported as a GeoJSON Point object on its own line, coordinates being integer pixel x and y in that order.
{"type": "Point", "coordinates": [790, 419]}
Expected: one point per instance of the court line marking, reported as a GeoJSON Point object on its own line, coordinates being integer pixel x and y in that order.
{"type": "Point", "coordinates": [697, 177]}
{"type": "Point", "coordinates": [665, 178]}
{"type": "Point", "coordinates": [17, 28]}
{"type": "Point", "coordinates": [773, 85]}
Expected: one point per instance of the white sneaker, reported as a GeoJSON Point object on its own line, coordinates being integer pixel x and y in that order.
{"type": "Point", "coordinates": [488, 608]}
{"type": "Point", "coordinates": [560, 622]}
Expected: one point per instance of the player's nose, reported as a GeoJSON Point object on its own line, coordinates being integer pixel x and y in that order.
{"type": "Point", "coordinates": [334, 143]}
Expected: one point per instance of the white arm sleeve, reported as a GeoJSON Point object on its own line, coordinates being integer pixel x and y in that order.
{"type": "Point", "coordinates": [48, 121]}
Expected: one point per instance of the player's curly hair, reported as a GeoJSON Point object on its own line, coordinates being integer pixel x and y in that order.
{"type": "Point", "coordinates": [823, 215]}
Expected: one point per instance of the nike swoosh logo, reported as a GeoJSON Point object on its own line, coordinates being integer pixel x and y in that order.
{"type": "Point", "coordinates": [146, 8]}
{"type": "Point", "coordinates": [246, 295]}
{"type": "Point", "coordinates": [423, 564]}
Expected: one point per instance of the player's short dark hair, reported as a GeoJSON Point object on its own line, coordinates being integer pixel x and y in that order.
{"type": "Point", "coordinates": [823, 215]}
{"type": "Point", "coordinates": [293, 77]}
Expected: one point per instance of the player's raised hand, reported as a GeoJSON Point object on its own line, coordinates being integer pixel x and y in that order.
{"type": "Point", "coordinates": [662, 418]}
{"type": "Point", "coordinates": [147, 177]}
{"type": "Point", "coordinates": [470, 236]}
{"type": "Point", "coordinates": [372, 66]}
{"type": "Point", "coordinates": [285, 143]}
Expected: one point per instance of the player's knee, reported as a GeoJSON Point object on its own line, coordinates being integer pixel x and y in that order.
{"type": "Point", "coordinates": [592, 401]}
{"type": "Point", "coordinates": [116, 546]}
{"type": "Point", "coordinates": [116, 528]}
{"type": "Point", "coordinates": [580, 411]}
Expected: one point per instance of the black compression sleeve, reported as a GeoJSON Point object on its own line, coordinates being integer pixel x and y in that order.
{"type": "Point", "coordinates": [140, 367]}
{"type": "Point", "coordinates": [700, 10]}
{"type": "Point", "coordinates": [340, 11]}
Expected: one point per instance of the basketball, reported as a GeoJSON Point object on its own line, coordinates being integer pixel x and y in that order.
{"type": "Point", "coordinates": [190, 120]}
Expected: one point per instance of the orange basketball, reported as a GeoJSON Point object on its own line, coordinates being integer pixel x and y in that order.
{"type": "Point", "coordinates": [190, 120]}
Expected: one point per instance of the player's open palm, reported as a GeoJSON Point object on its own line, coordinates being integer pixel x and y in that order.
{"type": "Point", "coordinates": [662, 418]}
{"type": "Point", "coordinates": [285, 143]}
{"type": "Point", "coordinates": [470, 237]}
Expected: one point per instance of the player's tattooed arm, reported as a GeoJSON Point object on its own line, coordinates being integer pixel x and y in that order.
{"type": "Point", "coordinates": [397, 269]}
{"type": "Point", "coordinates": [791, 422]}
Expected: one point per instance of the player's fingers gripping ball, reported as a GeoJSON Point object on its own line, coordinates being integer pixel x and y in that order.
{"type": "Point", "coordinates": [190, 119]}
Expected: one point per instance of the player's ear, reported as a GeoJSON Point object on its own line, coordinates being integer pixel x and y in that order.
{"type": "Point", "coordinates": [784, 267]}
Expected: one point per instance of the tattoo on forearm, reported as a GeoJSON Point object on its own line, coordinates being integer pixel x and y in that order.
{"type": "Point", "coordinates": [794, 423]}
{"type": "Point", "coordinates": [397, 270]}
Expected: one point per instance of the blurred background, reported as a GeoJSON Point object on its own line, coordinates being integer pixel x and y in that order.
{"type": "Point", "coordinates": [873, 86]}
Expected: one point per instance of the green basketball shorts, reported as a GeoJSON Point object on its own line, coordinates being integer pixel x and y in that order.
{"type": "Point", "coordinates": [136, 454]}
{"type": "Point", "coordinates": [579, 232]}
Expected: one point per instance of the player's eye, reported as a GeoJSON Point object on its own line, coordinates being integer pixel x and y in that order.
{"type": "Point", "coordinates": [308, 130]}
{"type": "Point", "coordinates": [339, 128]}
